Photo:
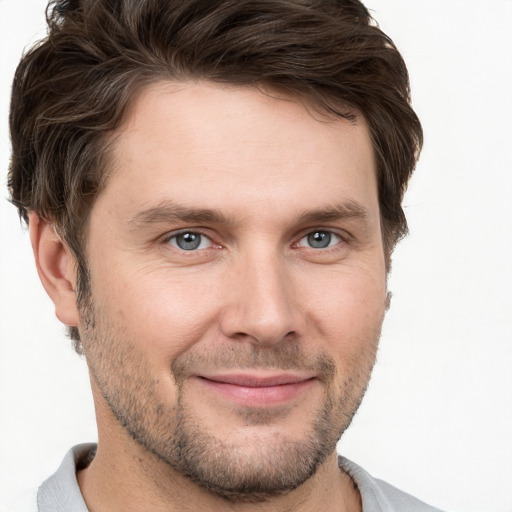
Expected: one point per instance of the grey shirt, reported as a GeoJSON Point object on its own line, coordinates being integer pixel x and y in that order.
{"type": "Point", "coordinates": [60, 493]}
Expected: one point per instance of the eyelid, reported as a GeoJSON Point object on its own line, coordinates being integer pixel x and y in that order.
{"type": "Point", "coordinates": [333, 242]}
{"type": "Point", "coordinates": [166, 239]}
{"type": "Point", "coordinates": [343, 235]}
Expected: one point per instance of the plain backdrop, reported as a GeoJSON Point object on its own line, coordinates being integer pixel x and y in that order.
{"type": "Point", "coordinates": [437, 419]}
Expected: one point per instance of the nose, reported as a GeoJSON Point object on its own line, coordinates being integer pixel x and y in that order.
{"type": "Point", "coordinates": [262, 306]}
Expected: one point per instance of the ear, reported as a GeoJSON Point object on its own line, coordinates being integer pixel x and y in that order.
{"type": "Point", "coordinates": [56, 268]}
{"type": "Point", "coordinates": [389, 296]}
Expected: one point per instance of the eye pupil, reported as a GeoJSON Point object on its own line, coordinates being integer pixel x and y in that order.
{"type": "Point", "coordinates": [188, 241]}
{"type": "Point", "coordinates": [319, 239]}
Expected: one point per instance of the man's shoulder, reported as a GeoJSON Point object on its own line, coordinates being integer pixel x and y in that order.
{"type": "Point", "coordinates": [379, 496]}
{"type": "Point", "coordinates": [60, 492]}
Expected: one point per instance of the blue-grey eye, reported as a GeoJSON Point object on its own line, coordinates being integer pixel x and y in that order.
{"type": "Point", "coordinates": [320, 240]}
{"type": "Point", "coordinates": [189, 241]}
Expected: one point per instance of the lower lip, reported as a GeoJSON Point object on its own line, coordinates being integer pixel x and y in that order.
{"type": "Point", "coordinates": [264, 396]}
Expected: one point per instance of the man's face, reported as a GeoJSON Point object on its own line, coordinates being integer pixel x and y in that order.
{"type": "Point", "coordinates": [238, 284]}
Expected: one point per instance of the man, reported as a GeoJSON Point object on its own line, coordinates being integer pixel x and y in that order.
{"type": "Point", "coordinates": [213, 195]}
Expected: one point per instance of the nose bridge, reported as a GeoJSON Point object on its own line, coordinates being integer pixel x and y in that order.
{"type": "Point", "coordinates": [262, 307]}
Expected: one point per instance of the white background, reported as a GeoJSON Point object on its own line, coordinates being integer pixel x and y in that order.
{"type": "Point", "coordinates": [437, 420]}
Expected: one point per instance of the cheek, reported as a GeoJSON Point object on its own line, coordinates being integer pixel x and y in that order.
{"type": "Point", "coordinates": [162, 312]}
{"type": "Point", "coordinates": [349, 312]}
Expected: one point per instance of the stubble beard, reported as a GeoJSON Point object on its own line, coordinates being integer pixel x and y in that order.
{"type": "Point", "coordinates": [175, 436]}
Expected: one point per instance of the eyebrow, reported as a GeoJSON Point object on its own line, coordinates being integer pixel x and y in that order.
{"type": "Point", "coordinates": [346, 210]}
{"type": "Point", "coordinates": [172, 212]}
{"type": "Point", "coordinates": [169, 211]}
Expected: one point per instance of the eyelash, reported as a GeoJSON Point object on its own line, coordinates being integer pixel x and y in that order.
{"type": "Point", "coordinates": [174, 236]}
{"type": "Point", "coordinates": [331, 234]}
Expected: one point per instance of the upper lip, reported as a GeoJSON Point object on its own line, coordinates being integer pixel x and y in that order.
{"type": "Point", "coordinates": [256, 381]}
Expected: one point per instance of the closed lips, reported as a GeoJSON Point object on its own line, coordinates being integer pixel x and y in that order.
{"type": "Point", "coordinates": [253, 381]}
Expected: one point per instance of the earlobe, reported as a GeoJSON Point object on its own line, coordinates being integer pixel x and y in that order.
{"type": "Point", "coordinates": [56, 268]}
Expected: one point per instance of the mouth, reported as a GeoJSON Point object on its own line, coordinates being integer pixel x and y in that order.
{"type": "Point", "coordinates": [258, 390]}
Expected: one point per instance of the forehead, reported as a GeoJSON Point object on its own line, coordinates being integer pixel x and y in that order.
{"type": "Point", "coordinates": [231, 146]}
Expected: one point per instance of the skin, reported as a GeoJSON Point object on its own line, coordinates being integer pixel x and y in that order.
{"type": "Point", "coordinates": [249, 348]}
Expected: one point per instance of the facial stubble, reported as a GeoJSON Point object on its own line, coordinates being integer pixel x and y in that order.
{"type": "Point", "coordinates": [173, 434]}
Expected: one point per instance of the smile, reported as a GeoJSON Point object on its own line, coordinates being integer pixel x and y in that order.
{"type": "Point", "coordinates": [258, 390]}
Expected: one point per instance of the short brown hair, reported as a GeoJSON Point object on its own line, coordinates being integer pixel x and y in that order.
{"type": "Point", "coordinates": [72, 89]}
